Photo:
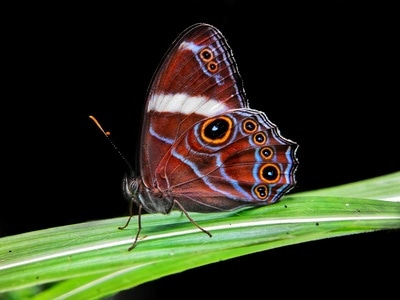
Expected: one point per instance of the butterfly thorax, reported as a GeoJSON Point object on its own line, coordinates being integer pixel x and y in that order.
{"type": "Point", "coordinates": [152, 199]}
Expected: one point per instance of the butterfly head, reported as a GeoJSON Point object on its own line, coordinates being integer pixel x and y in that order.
{"type": "Point", "coordinates": [130, 187]}
{"type": "Point", "coordinates": [150, 198]}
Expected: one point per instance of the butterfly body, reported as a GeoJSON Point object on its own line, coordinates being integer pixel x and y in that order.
{"type": "Point", "coordinates": [203, 148]}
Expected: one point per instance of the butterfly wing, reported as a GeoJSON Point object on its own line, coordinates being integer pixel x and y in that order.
{"type": "Point", "coordinates": [197, 78]}
{"type": "Point", "coordinates": [247, 163]}
{"type": "Point", "coordinates": [201, 143]}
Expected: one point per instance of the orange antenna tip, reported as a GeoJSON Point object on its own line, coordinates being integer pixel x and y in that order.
{"type": "Point", "coordinates": [106, 133]}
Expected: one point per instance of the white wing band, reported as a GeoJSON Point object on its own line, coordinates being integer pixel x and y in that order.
{"type": "Point", "coordinates": [185, 104]}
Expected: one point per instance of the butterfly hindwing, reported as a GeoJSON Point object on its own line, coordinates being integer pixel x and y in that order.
{"type": "Point", "coordinates": [228, 161]}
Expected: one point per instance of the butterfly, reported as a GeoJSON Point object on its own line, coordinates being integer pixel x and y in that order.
{"type": "Point", "coordinates": [202, 148]}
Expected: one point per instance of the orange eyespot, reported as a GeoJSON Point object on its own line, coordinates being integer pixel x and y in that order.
{"type": "Point", "coordinates": [212, 67]}
{"type": "Point", "coordinates": [259, 138]}
{"type": "Point", "coordinates": [266, 152]}
{"type": "Point", "coordinates": [261, 191]}
{"type": "Point", "coordinates": [249, 126]}
{"type": "Point", "coordinates": [206, 55]}
{"type": "Point", "coordinates": [216, 131]}
{"type": "Point", "coordinates": [269, 173]}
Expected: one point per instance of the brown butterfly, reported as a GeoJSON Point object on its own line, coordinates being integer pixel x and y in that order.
{"type": "Point", "coordinates": [203, 149]}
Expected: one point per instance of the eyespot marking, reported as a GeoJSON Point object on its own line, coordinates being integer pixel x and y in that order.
{"type": "Point", "coordinates": [250, 126]}
{"type": "Point", "coordinates": [206, 55]}
{"type": "Point", "coordinates": [261, 191]}
{"type": "Point", "coordinates": [259, 138]}
{"type": "Point", "coordinates": [212, 67]}
{"type": "Point", "coordinates": [269, 173]}
{"type": "Point", "coordinates": [217, 130]}
{"type": "Point", "coordinates": [266, 153]}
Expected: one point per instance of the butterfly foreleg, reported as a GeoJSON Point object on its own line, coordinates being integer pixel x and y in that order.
{"type": "Point", "coordinates": [139, 223]}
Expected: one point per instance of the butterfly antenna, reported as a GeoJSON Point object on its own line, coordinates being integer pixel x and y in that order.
{"type": "Point", "coordinates": [107, 135]}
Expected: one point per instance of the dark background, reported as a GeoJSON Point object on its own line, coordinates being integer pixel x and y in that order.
{"type": "Point", "coordinates": [324, 73]}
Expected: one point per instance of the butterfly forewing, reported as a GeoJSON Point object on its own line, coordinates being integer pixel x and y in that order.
{"type": "Point", "coordinates": [198, 78]}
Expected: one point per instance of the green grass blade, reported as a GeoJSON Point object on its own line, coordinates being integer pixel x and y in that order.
{"type": "Point", "coordinates": [385, 187]}
{"type": "Point", "coordinates": [91, 261]}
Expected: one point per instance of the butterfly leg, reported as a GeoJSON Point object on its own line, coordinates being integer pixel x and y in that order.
{"type": "Point", "coordinates": [139, 228]}
{"type": "Point", "coordinates": [182, 209]}
{"type": "Point", "coordinates": [130, 216]}
{"type": "Point", "coordinates": [139, 224]}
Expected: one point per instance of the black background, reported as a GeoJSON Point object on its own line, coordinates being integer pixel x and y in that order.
{"type": "Point", "coordinates": [324, 73]}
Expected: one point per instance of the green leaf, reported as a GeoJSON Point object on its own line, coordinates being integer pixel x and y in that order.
{"type": "Point", "coordinates": [90, 260]}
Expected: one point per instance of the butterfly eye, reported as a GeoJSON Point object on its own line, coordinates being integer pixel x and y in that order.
{"type": "Point", "coordinates": [259, 138]}
{"type": "Point", "coordinates": [269, 173]}
{"type": "Point", "coordinates": [206, 55]}
{"type": "Point", "coordinates": [216, 130]}
{"type": "Point", "coordinates": [249, 126]}
{"type": "Point", "coordinates": [266, 152]}
{"type": "Point", "coordinates": [261, 191]}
